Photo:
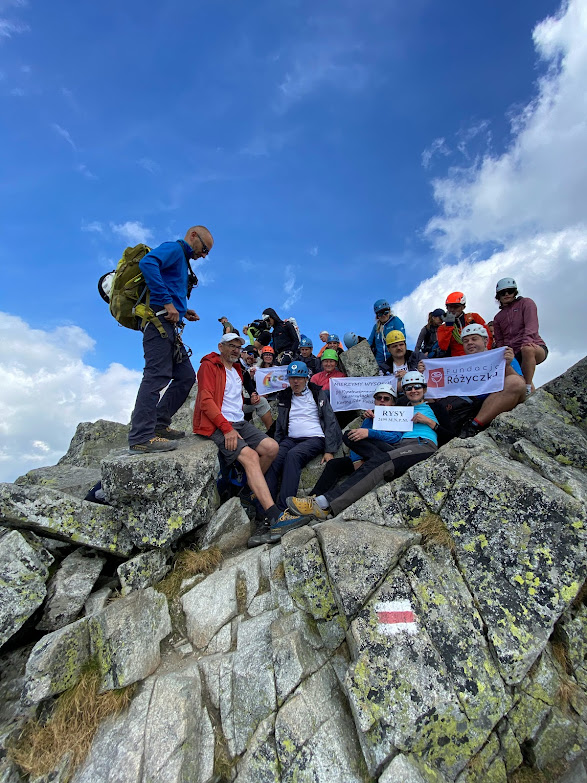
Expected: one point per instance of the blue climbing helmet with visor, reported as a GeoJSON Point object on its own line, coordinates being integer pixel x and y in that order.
{"type": "Point", "coordinates": [305, 342]}
{"type": "Point", "coordinates": [333, 338]}
{"type": "Point", "coordinates": [298, 370]}
{"type": "Point", "coordinates": [381, 304]}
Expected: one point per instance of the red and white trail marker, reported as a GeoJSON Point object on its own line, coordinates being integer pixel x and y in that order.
{"type": "Point", "coordinates": [396, 616]}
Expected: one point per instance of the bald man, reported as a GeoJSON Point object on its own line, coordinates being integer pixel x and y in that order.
{"type": "Point", "coordinates": [169, 278]}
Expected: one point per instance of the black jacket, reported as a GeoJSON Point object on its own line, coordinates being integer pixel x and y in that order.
{"type": "Point", "coordinates": [284, 335]}
{"type": "Point", "coordinates": [328, 422]}
{"type": "Point", "coordinates": [412, 359]}
{"type": "Point", "coordinates": [312, 362]}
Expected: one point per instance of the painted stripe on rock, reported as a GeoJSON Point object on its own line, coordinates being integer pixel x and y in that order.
{"type": "Point", "coordinates": [396, 616]}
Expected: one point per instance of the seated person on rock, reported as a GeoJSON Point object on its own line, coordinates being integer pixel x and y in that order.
{"type": "Point", "coordinates": [252, 401]}
{"type": "Point", "coordinates": [306, 427]}
{"type": "Point", "coordinates": [385, 322]}
{"type": "Point", "coordinates": [485, 407]}
{"type": "Point", "coordinates": [218, 415]}
{"type": "Point", "coordinates": [400, 360]}
{"type": "Point", "coordinates": [448, 333]}
{"type": "Point", "coordinates": [329, 370]}
{"type": "Point", "coordinates": [382, 461]}
{"type": "Point", "coordinates": [305, 355]}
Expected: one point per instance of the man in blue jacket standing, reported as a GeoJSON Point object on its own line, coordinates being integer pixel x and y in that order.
{"type": "Point", "coordinates": [167, 272]}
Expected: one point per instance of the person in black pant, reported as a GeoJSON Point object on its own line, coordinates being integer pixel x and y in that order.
{"type": "Point", "coordinates": [284, 336]}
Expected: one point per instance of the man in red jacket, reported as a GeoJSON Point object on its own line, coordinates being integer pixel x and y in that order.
{"type": "Point", "coordinates": [448, 333]}
{"type": "Point", "coordinates": [218, 414]}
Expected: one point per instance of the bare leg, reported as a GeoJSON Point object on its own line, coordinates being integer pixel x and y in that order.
{"type": "Point", "coordinates": [531, 356]}
{"type": "Point", "coordinates": [267, 419]}
{"type": "Point", "coordinates": [267, 451]}
{"type": "Point", "coordinates": [251, 462]}
{"type": "Point", "coordinates": [514, 392]}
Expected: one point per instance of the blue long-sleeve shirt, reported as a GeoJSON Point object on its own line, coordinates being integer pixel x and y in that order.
{"type": "Point", "coordinates": [388, 437]}
{"type": "Point", "coordinates": [377, 338]}
{"type": "Point", "coordinates": [166, 274]}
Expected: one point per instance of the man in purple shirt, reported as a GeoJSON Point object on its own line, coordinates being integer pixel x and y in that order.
{"type": "Point", "coordinates": [166, 270]}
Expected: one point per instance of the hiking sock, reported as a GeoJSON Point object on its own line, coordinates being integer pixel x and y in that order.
{"type": "Point", "coordinates": [477, 423]}
{"type": "Point", "coordinates": [528, 389]}
{"type": "Point", "coordinates": [322, 502]}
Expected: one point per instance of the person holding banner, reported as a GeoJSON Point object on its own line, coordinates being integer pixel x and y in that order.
{"type": "Point", "coordinates": [382, 461]}
{"type": "Point", "coordinates": [400, 360]}
{"type": "Point", "coordinates": [448, 334]}
{"type": "Point", "coordinates": [329, 370]}
{"type": "Point", "coordinates": [218, 415]}
{"type": "Point", "coordinates": [306, 426]}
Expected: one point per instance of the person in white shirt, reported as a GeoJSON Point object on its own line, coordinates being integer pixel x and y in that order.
{"type": "Point", "coordinates": [306, 427]}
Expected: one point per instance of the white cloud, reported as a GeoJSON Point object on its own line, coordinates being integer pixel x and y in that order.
{"type": "Point", "coordinates": [9, 28]}
{"type": "Point", "coordinates": [133, 232]}
{"type": "Point", "coordinates": [65, 135]}
{"type": "Point", "coordinates": [47, 389]}
{"type": "Point", "coordinates": [149, 165]}
{"type": "Point", "coordinates": [313, 251]}
{"type": "Point", "coordinates": [550, 268]}
{"type": "Point", "coordinates": [290, 289]}
{"type": "Point", "coordinates": [438, 147]}
{"type": "Point", "coordinates": [540, 182]}
{"type": "Point", "coordinates": [93, 226]}
{"type": "Point", "coordinates": [81, 168]}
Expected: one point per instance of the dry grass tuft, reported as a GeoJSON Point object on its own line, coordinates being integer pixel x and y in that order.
{"type": "Point", "coordinates": [581, 597]}
{"type": "Point", "coordinates": [189, 562]}
{"type": "Point", "coordinates": [528, 775]}
{"type": "Point", "coordinates": [566, 693]}
{"type": "Point", "coordinates": [223, 763]}
{"type": "Point", "coordinates": [279, 571]}
{"type": "Point", "coordinates": [71, 728]}
{"type": "Point", "coordinates": [241, 594]}
{"type": "Point", "coordinates": [434, 532]}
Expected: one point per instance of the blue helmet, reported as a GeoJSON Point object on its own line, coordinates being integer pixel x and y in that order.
{"type": "Point", "coordinates": [298, 370]}
{"type": "Point", "coordinates": [332, 338]}
{"type": "Point", "coordinates": [350, 339]}
{"type": "Point", "coordinates": [305, 342]}
{"type": "Point", "coordinates": [381, 304]}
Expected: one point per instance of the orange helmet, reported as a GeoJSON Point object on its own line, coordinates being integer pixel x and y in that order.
{"type": "Point", "coordinates": [267, 349]}
{"type": "Point", "coordinates": [457, 297]}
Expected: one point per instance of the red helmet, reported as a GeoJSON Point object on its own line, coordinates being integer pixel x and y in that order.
{"type": "Point", "coordinates": [457, 297]}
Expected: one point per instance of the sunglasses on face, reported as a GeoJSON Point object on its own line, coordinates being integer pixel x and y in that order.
{"type": "Point", "coordinates": [383, 398]}
{"type": "Point", "coordinates": [414, 386]}
{"type": "Point", "coordinates": [205, 249]}
{"type": "Point", "coordinates": [382, 312]}
{"type": "Point", "coordinates": [507, 291]}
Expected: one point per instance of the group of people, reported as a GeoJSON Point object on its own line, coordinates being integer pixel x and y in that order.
{"type": "Point", "coordinates": [306, 425]}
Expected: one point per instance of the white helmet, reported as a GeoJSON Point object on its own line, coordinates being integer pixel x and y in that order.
{"type": "Point", "coordinates": [474, 329]}
{"type": "Point", "coordinates": [385, 388]}
{"type": "Point", "coordinates": [413, 377]}
{"type": "Point", "coordinates": [505, 282]}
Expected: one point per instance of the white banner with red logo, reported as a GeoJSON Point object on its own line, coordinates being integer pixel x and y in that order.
{"type": "Point", "coordinates": [465, 376]}
{"type": "Point", "coordinates": [271, 379]}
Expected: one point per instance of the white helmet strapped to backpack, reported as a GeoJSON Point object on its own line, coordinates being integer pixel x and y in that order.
{"type": "Point", "coordinates": [474, 329]}
{"type": "Point", "coordinates": [505, 282]}
{"type": "Point", "coordinates": [413, 377]}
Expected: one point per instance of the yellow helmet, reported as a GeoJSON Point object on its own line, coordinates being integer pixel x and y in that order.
{"type": "Point", "coordinates": [395, 336]}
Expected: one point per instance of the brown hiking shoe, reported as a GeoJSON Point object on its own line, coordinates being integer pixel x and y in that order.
{"type": "Point", "coordinates": [153, 446]}
{"type": "Point", "coordinates": [169, 434]}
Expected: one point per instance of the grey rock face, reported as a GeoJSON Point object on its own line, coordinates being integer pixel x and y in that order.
{"type": "Point", "coordinates": [228, 529]}
{"type": "Point", "coordinates": [72, 480]}
{"type": "Point", "coordinates": [24, 569]}
{"type": "Point", "coordinates": [69, 588]}
{"type": "Point", "coordinates": [163, 496]}
{"type": "Point", "coordinates": [48, 511]}
{"type": "Point", "coordinates": [359, 361]}
{"type": "Point", "coordinates": [568, 390]}
{"type": "Point", "coordinates": [93, 441]}
{"type": "Point", "coordinates": [183, 419]}
{"type": "Point", "coordinates": [144, 570]}
{"type": "Point", "coordinates": [210, 605]}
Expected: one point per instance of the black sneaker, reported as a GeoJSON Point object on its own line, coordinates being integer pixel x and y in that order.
{"type": "Point", "coordinates": [288, 521]}
{"type": "Point", "coordinates": [263, 535]}
{"type": "Point", "coordinates": [469, 430]}
{"type": "Point", "coordinates": [169, 434]}
{"type": "Point", "coordinates": [153, 446]}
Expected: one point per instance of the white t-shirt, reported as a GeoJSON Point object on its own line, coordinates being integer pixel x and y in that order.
{"type": "Point", "coordinates": [232, 404]}
{"type": "Point", "coordinates": [304, 421]}
{"type": "Point", "coordinates": [393, 378]}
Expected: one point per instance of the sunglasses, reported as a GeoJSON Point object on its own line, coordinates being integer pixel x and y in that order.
{"type": "Point", "coordinates": [505, 291]}
{"type": "Point", "coordinates": [382, 312]}
{"type": "Point", "coordinates": [205, 249]}
{"type": "Point", "coordinates": [413, 386]}
{"type": "Point", "coordinates": [383, 398]}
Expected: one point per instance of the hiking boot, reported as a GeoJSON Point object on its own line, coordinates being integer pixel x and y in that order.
{"type": "Point", "coordinates": [263, 535]}
{"type": "Point", "coordinates": [469, 430]}
{"type": "Point", "coordinates": [307, 507]}
{"type": "Point", "coordinates": [288, 521]}
{"type": "Point", "coordinates": [167, 433]}
{"type": "Point", "coordinates": [153, 446]}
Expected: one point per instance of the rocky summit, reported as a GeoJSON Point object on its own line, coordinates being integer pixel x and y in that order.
{"type": "Point", "coordinates": [434, 632]}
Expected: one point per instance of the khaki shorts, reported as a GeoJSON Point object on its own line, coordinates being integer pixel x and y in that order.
{"type": "Point", "coordinates": [249, 436]}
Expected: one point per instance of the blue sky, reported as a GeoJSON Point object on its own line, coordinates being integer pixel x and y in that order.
{"type": "Point", "coordinates": [338, 152]}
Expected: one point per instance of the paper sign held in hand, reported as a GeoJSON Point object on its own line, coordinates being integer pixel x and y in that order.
{"type": "Point", "coordinates": [394, 418]}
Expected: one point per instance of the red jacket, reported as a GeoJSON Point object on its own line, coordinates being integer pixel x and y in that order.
{"type": "Point", "coordinates": [449, 337]}
{"type": "Point", "coordinates": [517, 325]}
{"type": "Point", "coordinates": [322, 379]}
{"type": "Point", "coordinates": [211, 383]}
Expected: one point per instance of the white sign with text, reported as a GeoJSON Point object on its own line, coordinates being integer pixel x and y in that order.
{"type": "Point", "coordinates": [271, 379]}
{"type": "Point", "coordinates": [465, 376]}
{"type": "Point", "coordinates": [350, 394]}
{"type": "Point", "coordinates": [394, 418]}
